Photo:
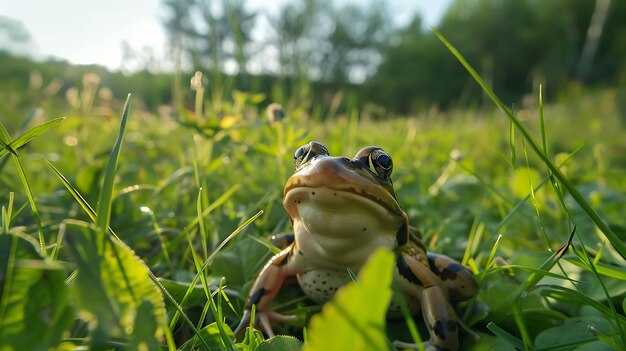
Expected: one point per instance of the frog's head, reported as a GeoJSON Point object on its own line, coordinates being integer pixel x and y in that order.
{"type": "Point", "coordinates": [338, 196]}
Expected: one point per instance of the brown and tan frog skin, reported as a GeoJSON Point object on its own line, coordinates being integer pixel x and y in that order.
{"type": "Point", "coordinates": [342, 210]}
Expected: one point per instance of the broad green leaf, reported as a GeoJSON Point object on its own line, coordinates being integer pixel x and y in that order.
{"type": "Point", "coordinates": [145, 328]}
{"type": "Point", "coordinates": [113, 287]}
{"type": "Point", "coordinates": [34, 309]}
{"type": "Point", "coordinates": [355, 318]}
{"type": "Point", "coordinates": [573, 332]}
{"type": "Point", "coordinates": [490, 342]}
{"type": "Point", "coordinates": [280, 343]}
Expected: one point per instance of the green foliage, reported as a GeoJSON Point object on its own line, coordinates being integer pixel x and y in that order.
{"type": "Point", "coordinates": [113, 288]}
{"type": "Point", "coordinates": [34, 305]}
{"type": "Point", "coordinates": [184, 204]}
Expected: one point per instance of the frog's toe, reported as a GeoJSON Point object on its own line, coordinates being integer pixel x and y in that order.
{"type": "Point", "coordinates": [265, 320]}
{"type": "Point", "coordinates": [411, 346]}
{"type": "Point", "coordinates": [245, 321]}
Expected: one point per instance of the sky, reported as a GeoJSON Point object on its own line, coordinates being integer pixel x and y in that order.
{"type": "Point", "coordinates": [92, 32]}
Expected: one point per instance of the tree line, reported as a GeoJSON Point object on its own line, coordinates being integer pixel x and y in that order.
{"type": "Point", "coordinates": [514, 44]}
{"type": "Point", "coordinates": [319, 47]}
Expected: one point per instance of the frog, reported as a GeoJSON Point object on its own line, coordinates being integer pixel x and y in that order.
{"type": "Point", "coordinates": [342, 210]}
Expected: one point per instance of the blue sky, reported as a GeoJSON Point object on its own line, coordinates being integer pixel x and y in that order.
{"type": "Point", "coordinates": [86, 32]}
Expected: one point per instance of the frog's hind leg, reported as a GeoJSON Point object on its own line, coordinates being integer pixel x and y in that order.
{"type": "Point", "coordinates": [458, 280]}
{"type": "Point", "coordinates": [438, 314]}
{"type": "Point", "coordinates": [265, 288]}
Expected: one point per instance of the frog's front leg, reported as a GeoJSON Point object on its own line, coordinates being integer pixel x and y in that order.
{"type": "Point", "coordinates": [437, 312]}
{"type": "Point", "coordinates": [266, 287]}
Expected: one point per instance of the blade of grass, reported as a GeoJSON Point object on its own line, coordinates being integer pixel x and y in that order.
{"type": "Point", "coordinates": [615, 272]}
{"type": "Point", "coordinates": [12, 146]}
{"type": "Point", "coordinates": [29, 135]}
{"type": "Point", "coordinates": [506, 336]}
{"type": "Point", "coordinates": [562, 293]}
{"type": "Point", "coordinates": [512, 145]}
{"type": "Point", "coordinates": [541, 121]}
{"type": "Point", "coordinates": [103, 214]}
{"type": "Point", "coordinates": [219, 201]}
{"type": "Point", "coordinates": [584, 257]}
{"type": "Point", "coordinates": [226, 340]}
{"type": "Point", "coordinates": [7, 212]}
{"type": "Point", "coordinates": [31, 201]}
{"type": "Point", "coordinates": [567, 184]}
{"type": "Point", "coordinates": [208, 261]}
{"type": "Point", "coordinates": [201, 228]}
{"type": "Point", "coordinates": [518, 317]}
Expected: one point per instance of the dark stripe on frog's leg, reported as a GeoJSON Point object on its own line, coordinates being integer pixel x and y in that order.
{"type": "Point", "coordinates": [443, 328]}
{"type": "Point", "coordinates": [405, 271]}
{"type": "Point", "coordinates": [458, 280]}
{"type": "Point", "coordinates": [255, 297]}
{"type": "Point", "coordinates": [282, 240]}
{"type": "Point", "coordinates": [440, 319]}
{"type": "Point", "coordinates": [449, 272]}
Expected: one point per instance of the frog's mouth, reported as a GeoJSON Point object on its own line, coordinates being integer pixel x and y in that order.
{"type": "Point", "coordinates": [333, 212]}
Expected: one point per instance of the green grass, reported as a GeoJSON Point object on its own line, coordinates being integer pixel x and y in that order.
{"type": "Point", "coordinates": [153, 241]}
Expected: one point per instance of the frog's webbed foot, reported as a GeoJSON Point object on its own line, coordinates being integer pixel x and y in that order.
{"type": "Point", "coordinates": [265, 320]}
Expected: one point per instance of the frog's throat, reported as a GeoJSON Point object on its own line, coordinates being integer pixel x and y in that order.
{"type": "Point", "coordinates": [336, 213]}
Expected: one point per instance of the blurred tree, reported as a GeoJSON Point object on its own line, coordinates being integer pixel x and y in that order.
{"type": "Point", "coordinates": [320, 40]}
{"type": "Point", "coordinates": [211, 36]}
{"type": "Point", "coordinates": [416, 71]}
{"type": "Point", "coordinates": [594, 35]}
{"type": "Point", "coordinates": [15, 38]}
{"type": "Point", "coordinates": [177, 24]}
{"type": "Point", "coordinates": [322, 46]}
{"type": "Point", "coordinates": [515, 45]}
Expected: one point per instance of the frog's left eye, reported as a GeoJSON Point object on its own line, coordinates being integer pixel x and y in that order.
{"type": "Point", "coordinates": [307, 152]}
{"type": "Point", "coordinates": [381, 163]}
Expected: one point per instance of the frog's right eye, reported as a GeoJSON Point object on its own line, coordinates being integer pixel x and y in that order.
{"type": "Point", "coordinates": [308, 152]}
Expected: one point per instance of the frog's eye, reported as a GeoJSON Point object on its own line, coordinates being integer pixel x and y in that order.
{"type": "Point", "coordinates": [381, 163]}
{"type": "Point", "coordinates": [307, 152]}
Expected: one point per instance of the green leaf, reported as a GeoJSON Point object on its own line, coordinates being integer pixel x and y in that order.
{"type": "Point", "coordinates": [573, 332]}
{"type": "Point", "coordinates": [617, 272]}
{"type": "Point", "coordinates": [355, 318]}
{"type": "Point", "coordinates": [28, 136]}
{"type": "Point", "coordinates": [34, 309]}
{"type": "Point", "coordinates": [280, 343]}
{"type": "Point", "coordinates": [106, 193]}
{"type": "Point", "coordinates": [113, 287]}
{"type": "Point", "coordinates": [145, 328]}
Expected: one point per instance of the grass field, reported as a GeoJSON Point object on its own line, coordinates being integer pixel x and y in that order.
{"type": "Point", "coordinates": [107, 218]}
